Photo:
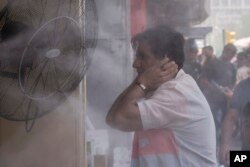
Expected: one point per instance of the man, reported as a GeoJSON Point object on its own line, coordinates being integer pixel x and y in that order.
{"type": "Point", "coordinates": [192, 64]}
{"type": "Point", "coordinates": [225, 69]}
{"type": "Point", "coordinates": [241, 96]}
{"type": "Point", "coordinates": [221, 71]}
{"type": "Point", "coordinates": [217, 80]}
{"type": "Point", "coordinates": [209, 86]}
{"type": "Point", "coordinates": [208, 68]}
{"type": "Point", "coordinates": [208, 54]}
{"type": "Point", "coordinates": [243, 63]}
{"type": "Point", "coordinates": [171, 118]}
{"type": "Point", "coordinates": [241, 58]}
{"type": "Point", "coordinates": [245, 128]}
{"type": "Point", "coordinates": [229, 52]}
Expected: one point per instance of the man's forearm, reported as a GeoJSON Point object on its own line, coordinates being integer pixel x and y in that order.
{"type": "Point", "coordinates": [228, 127]}
{"type": "Point", "coordinates": [120, 97]}
{"type": "Point", "coordinates": [124, 112]}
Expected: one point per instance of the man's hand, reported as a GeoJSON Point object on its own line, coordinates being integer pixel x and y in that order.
{"type": "Point", "coordinates": [228, 92]}
{"type": "Point", "coordinates": [158, 74]}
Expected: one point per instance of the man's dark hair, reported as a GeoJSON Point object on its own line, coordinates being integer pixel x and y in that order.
{"type": "Point", "coordinates": [242, 54]}
{"type": "Point", "coordinates": [231, 48]}
{"type": "Point", "coordinates": [209, 47]}
{"type": "Point", "coordinates": [163, 41]}
{"type": "Point", "coordinates": [190, 45]}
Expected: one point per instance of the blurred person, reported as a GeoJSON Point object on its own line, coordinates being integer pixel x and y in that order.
{"type": "Point", "coordinates": [217, 80]}
{"type": "Point", "coordinates": [246, 127]}
{"type": "Point", "coordinates": [241, 57]}
{"type": "Point", "coordinates": [191, 50]}
{"type": "Point", "coordinates": [171, 118]}
{"type": "Point", "coordinates": [243, 62]}
{"type": "Point", "coordinates": [192, 64]}
{"type": "Point", "coordinates": [207, 71]}
{"type": "Point", "coordinates": [241, 96]}
{"type": "Point", "coordinates": [209, 57]}
{"type": "Point", "coordinates": [210, 88]}
{"type": "Point", "coordinates": [207, 66]}
{"type": "Point", "coordinates": [225, 70]}
{"type": "Point", "coordinates": [208, 54]}
{"type": "Point", "coordinates": [229, 52]}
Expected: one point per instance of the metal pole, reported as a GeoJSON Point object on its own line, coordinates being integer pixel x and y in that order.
{"type": "Point", "coordinates": [81, 128]}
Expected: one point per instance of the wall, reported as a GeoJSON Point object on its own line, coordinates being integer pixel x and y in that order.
{"type": "Point", "coordinates": [56, 139]}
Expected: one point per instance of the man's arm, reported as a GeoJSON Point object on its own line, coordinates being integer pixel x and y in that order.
{"type": "Point", "coordinates": [227, 130]}
{"type": "Point", "coordinates": [124, 113]}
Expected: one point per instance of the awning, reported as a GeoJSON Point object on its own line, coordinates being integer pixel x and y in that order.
{"type": "Point", "coordinates": [177, 12]}
{"type": "Point", "coordinates": [197, 32]}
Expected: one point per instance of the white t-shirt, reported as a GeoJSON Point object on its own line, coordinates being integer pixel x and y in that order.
{"type": "Point", "coordinates": [179, 129]}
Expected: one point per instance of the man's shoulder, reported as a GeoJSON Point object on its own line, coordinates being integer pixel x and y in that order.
{"type": "Point", "coordinates": [243, 87]}
{"type": "Point", "coordinates": [244, 82]}
{"type": "Point", "coordinates": [180, 83]}
{"type": "Point", "coordinates": [184, 78]}
{"type": "Point", "coordinates": [179, 78]}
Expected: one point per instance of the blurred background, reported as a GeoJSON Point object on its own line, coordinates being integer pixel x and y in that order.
{"type": "Point", "coordinates": [75, 59]}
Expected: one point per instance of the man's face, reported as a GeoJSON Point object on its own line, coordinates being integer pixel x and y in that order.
{"type": "Point", "coordinates": [144, 58]}
{"type": "Point", "coordinates": [206, 52]}
{"type": "Point", "coordinates": [192, 54]}
{"type": "Point", "coordinates": [227, 54]}
{"type": "Point", "coordinates": [241, 61]}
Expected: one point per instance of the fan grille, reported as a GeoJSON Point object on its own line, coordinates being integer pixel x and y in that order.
{"type": "Point", "coordinates": [51, 61]}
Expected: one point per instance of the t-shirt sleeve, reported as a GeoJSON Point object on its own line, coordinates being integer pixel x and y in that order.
{"type": "Point", "coordinates": [165, 109]}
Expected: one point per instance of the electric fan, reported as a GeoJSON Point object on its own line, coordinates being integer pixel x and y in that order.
{"type": "Point", "coordinates": [47, 46]}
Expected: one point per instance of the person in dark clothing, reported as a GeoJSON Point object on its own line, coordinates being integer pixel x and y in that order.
{"type": "Point", "coordinates": [217, 79]}
{"type": "Point", "coordinates": [221, 71]}
{"type": "Point", "coordinates": [229, 51]}
{"type": "Point", "coordinates": [227, 71]}
{"type": "Point", "coordinates": [240, 99]}
{"type": "Point", "coordinates": [191, 64]}
{"type": "Point", "coordinates": [245, 127]}
{"type": "Point", "coordinates": [208, 69]}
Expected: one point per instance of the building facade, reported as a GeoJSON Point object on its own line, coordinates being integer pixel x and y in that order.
{"type": "Point", "coordinates": [229, 13]}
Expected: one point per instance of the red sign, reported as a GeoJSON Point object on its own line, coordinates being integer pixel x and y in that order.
{"type": "Point", "coordinates": [137, 16]}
